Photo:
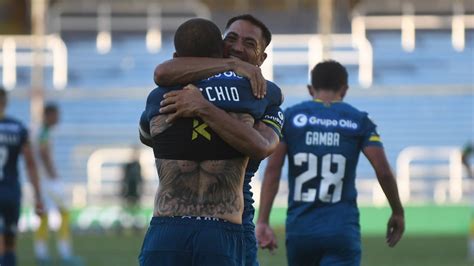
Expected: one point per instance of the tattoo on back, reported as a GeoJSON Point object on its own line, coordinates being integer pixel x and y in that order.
{"type": "Point", "coordinates": [199, 188]}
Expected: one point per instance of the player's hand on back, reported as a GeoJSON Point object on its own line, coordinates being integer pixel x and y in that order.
{"type": "Point", "coordinates": [266, 237]}
{"type": "Point", "coordinates": [254, 74]}
{"type": "Point", "coordinates": [395, 229]}
{"type": "Point", "coordinates": [183, 103]}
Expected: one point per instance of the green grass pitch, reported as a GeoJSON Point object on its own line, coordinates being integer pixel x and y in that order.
{"type": "Point", "coordinates": [434, 236]}
{"type": "Point", "coordinates": [107, 249]}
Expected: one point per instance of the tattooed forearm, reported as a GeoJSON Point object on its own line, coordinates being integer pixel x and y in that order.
{"type": "Point", "coordinates": [207, 188]}
{"type": "Point", "coordinates": [158, 125]}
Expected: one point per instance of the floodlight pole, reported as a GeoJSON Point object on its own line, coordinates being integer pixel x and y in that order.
{"type": "Point", "coordinates": [38, 14]}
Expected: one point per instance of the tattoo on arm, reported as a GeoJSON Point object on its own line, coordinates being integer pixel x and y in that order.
{"type": "Point", "coordinates": [158, 124]}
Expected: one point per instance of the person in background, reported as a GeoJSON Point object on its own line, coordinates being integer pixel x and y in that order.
{"type": "Point", "coordinates": [467, 152]}
{"type": "Point", "coordinates": [13, 143]}
{"type": "Point", "coordinates": [54, 196]}
{"type": "Point", "coordinates": [323, 139]}
{"type": "Point", "coordinates": [131, 185]}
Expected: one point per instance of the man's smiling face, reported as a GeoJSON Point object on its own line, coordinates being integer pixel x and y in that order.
{"type": "Point", "coordinates": [245, 41]}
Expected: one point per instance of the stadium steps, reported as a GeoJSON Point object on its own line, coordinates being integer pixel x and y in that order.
{"type": "Point", "coordinates": [406, 120]}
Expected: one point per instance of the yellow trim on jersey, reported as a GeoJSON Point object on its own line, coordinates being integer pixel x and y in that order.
{"type": "Point", "coordinates": [375, 138]}
{"type": "Point", "coordinates": [321, 101]}
{"type": "Point", "coordinates": [273, 124]}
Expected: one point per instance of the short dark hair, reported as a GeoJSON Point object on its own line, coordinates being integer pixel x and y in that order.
{"type": "Point", "coordinates": [329, 75]}
{"type": "Point", "coordinates": [50, 108]}
{"type": "Point", "coordinates": [198, 37]}
{"type": "Point", "coordinates": [266, 34]}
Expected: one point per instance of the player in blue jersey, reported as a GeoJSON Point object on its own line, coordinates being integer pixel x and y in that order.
{"type": "Point", "coordinates": [323, 139]}
{"type": "Point", "coordinates": [245, 40]}
{"type": "Point", "coordinates": [200, 168]}
{"type": "Point", "coordinates": [13, 142]}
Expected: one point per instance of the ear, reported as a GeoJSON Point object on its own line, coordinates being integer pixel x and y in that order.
{"type": "Point", "coordinates": [310, 90]}
{"type": "Point", "coordinates": [262, 59]}
{"type": "Point", "coordinates": [175, 55]}
{"type": "Point", "coordinates": [344, 91]}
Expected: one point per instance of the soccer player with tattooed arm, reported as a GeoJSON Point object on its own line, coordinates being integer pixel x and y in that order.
{"type": "Point", "coordinates": [200, 162]}
{"type": "Point", "coordinates": [245, 41]}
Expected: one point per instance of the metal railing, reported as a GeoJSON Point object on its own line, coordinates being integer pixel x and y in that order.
{"type": "Point", "coordinates": [447, 170]}
{"type": "Point", "coordinates": [311, 51]}
{"type": "Point", "coordinates": [418, 182]}
{"type": "Point", "coordinates": [408, 22]}
{"type": "Point", "coordinates": [107, 16]}
{"type": "Point", "coordinates": [17, 51]}
{"type": "Point", "coordinates": [104, 171]}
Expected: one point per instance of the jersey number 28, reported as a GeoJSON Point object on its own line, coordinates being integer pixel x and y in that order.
{"type": "Point", "coordinates": [330, 188]}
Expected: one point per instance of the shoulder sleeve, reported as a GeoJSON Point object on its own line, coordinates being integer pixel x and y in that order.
{"type": "Point", "coordinates": [153, 103]}
{"type": "Point", "coordinates": [144, 126]}
{"type": "Point", "coordinates": [274, 118]}
{"type": "Point", "coordinates": [370, 135]}
{"type": "Point", "coordinates": [274, 93]}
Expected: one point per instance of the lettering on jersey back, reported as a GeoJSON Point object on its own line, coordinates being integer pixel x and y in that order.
{"type": "Point", "coordinates": [301, 120]}
{"type": "Point", "coordinates": [227, 74]}
{"type": "Point", "coordinates": [9, 139]}
{"type": "Point", "coordinates": [315, 138]}
{"type": "Point", "coordinates": [221, 93]}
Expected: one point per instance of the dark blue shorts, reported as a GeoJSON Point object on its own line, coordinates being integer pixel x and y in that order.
{"type": "Point", "coordinates": [9, 211]}
{"type": "Point", "coordinates": [251, 247]}
{"type": "Point", "coordinates": [313, 250]}
{"type": "Point", "coordinates": [192, 241]}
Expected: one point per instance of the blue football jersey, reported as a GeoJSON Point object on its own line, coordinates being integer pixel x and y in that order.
{"type": "Point", "coordinates": [13, 135]}
{"type": "Point", "coordinates": [324, 143]}
{"type": "Point", "coordinates": [190, 138]}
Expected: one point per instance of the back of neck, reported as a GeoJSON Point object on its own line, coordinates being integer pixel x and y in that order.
{"type": "Point", "coordinates": [327, 96]}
